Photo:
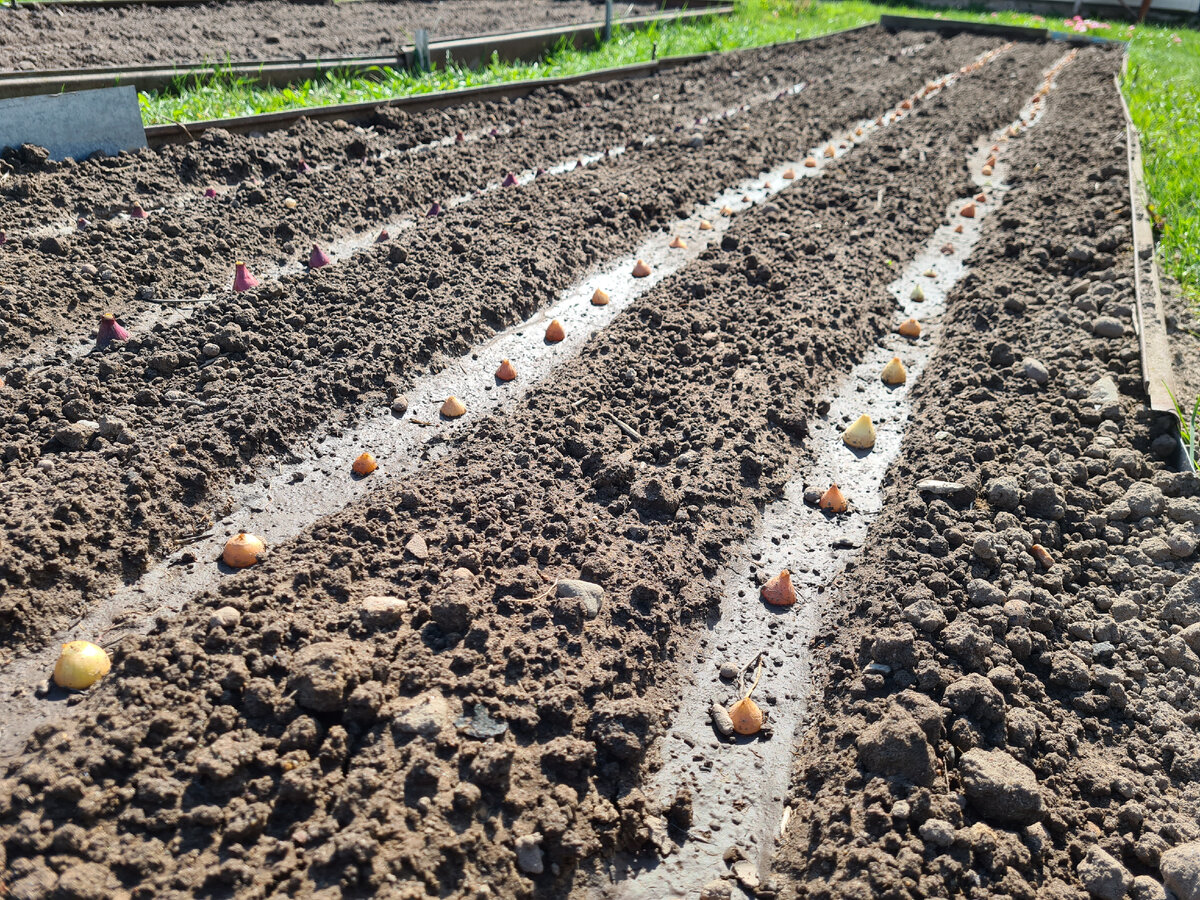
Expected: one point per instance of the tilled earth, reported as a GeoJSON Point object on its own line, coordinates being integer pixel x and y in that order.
{"type": "Point", "coordinates": [281, 737]}
{"type": "Point", "coordinates": [36, 38]}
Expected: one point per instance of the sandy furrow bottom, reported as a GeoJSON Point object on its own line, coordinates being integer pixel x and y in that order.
{"type": "Point", "coordinates": [186, 410]}
{"type": "Point", "coordinates": [480, 734]}
{"type": "Point", "coordinates": [1012, 673]}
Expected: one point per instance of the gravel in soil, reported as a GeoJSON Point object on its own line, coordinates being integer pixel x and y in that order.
{"type": "Point", "coordinates": [174, 426]}
{"type": "Point", "coordinates": [1000, 720]}
{"type": "Point", "coordinates": [58, 38]}
{"type": "Point", "coordinates": [482, 731]}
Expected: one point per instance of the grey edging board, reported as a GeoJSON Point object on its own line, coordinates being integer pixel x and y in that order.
{"type": "Point", "coordinates": [958, 26]}
{"type": "Point", "coordinates": [471, 52]}
{"type": "Point", "coordinates": [183, 132]}
{"type": "Point", "coordinates": [1149, 321]}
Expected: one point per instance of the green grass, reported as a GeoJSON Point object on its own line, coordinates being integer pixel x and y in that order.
{"type": "Point", "coordinates": [1162, 87]}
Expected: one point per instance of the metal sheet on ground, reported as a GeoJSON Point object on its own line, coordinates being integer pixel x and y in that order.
{"type": "Point", "coordinates": [74, 125]}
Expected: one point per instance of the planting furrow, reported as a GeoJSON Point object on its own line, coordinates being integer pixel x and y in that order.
{"type": "Point", "coordinates": [292, 498]}
{"type": "Point", "coordinates": [180, 432]}
{"type": "Point", "coordinates": [1011, 670]}
{"type": "Point", "coordinates": [743, 780]}
{"type": "Point", "coordinates": [279, 748]}
{"type": "Point", "coordinates": [181, 253]}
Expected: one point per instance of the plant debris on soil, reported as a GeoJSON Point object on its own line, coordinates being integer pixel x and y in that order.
{"type": "Point", "coordinates": [36, 38]}
{"type": "Point", "coordinates": [454, 685]}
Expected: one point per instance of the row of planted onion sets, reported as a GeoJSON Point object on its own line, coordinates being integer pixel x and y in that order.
{"type": "Point", "coordinates": [82, 663]}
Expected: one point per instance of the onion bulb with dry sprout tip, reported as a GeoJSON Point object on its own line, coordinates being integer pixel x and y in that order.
{"type": "Point", "coordinates": [747, 717]}
{"type": "Point", "coordinates": [778, 590]}
{"type": "Point", "coordinates": [861, 434]}
{"type": "Point", "coordinates": [893, 373]}
{"type": "Point", "coordinates": [506, 372]}
{"type": "Point", "coordinates": [600, 298]}
{"type": "Point", "coordinates": [910, 328]}
{"type": "Point", "coordinates": [833, 500]}
{"type": "Point", "coordinates": [365, 464]}
{"type": "Point", "coordinates": [243, 550]}
{"type": "Point", "coordinates": [453, 408]}
{"type": "Point", "coordinates": [555, 332]}
{"type": "Point", "coordinates": [80, 665]}
{"type": "Point", "coordinates": [640, 269]}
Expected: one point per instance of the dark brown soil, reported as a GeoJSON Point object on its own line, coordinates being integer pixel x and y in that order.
{"type": "Point", "coordinates": [1077, 672]}
{"type": "Point", "coordinates": [58, 38]}
{"type": "Point", "coordinates": [298, 743]}
{"type": "Point", "coordinates": [286, 760]}
{"type": "Point", "coordinates": [311, 356]}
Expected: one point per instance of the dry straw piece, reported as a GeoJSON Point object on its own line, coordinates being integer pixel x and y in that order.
{"type": "Point", "coordinates": [507, 371]}
{"type": "Point", "coordinates": [453, 408]}
{"type": "Point", "coordinates": [893, 373]}
{"type": "Point", "coordinates": [80, 665]}
{"type": "Point", "coordinates": [640, 269]}
{"type": "Point", "coordinates": [364, 464]}
{"type": "Point", "coordinates": [600, 298]}
{"type": "Point", "coordinates": [242, 550]}
{"type": "Point", "coordinates": [678, 243]}
{"type": "Point", "coordinates": [778, 590]}
{"type": "Point", "coordinates": [861, 433]}
{"type": "Point", "coordinates": [554, 331]}
{"type": "Point", "coordinates": [910, 328]}
{"type": "Point", "coordinates": [833, 500]}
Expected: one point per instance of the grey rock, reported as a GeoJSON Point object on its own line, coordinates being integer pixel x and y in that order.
{"type": "Point", "coordinates": [1143, 887]}
{"type": "Point", "coordinates": [211, 350]}
{"type": "Point", "coordinates": [590, 594]}
{"type": "Point", "coordinates": [1108, 327]}
{"type": "Point", "coordinates": [1144, 500]}
{"type": "Point", "coordinates": [77, 435]}
{"type": "Point", "coordinates": [1004, 493]}
{"type": "Point", "coordinates": [529, 854]}
{"type": "Point", "coordinates": [696, 141]}
{"type": "Point", "coordinates": [417, 548]}
{"type": "Point", "coordinates": [937, 832]}
{"type": "Point", "coordinates": [378, 610]}
{"type": "Point", "coordinates": [999, 787]}
{"type": "Point", "coordinates": [400, 406]}
{"type": "Point", "coordinates": [721, 719]}
{"type": "Point", "coordinates": [728, 671]}
{"type": "Point", "coordinates": [1180, 867]}
{"type": "Point", "coordinates": [1035, 370]}
{"type": "Point", "coordinates": [983, 593]}
{"type": "Point", "coordinates": [747, 875]}
{"type": "Point", "coordinates": [1103, 876]}
{"type": "Point", "coordinates": [896, 745]}
{"type": "Point", "coordinates": [425, 714]}
{"type": "Point", "coordinates": [225, 617]}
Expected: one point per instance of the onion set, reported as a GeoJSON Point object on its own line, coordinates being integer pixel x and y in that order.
{"type": "Point", "coordinates": [243, 550]}
{"type": "Point", "coordinates": [80, 665]}
{"type": "Point", "coordinates": [861, 433]}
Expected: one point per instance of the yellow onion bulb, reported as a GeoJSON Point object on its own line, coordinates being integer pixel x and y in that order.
{"type": "Point", "coordinates": [80, 665]}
